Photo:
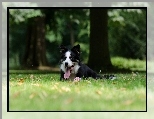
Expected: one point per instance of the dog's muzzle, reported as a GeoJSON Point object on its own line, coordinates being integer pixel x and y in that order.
{"type": "Point", "coordinates": [66, 64]}
{"type": "Point", "coordinates": [68, 67]}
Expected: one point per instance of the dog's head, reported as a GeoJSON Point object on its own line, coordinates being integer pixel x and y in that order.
{"type": "Point", "coordinates": [69, 57]}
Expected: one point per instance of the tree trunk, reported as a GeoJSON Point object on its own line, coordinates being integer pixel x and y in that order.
{"type": "Point", "coordinates": [99, 58]}
{"type": "Point", "coordinates": [35, 53]}
{"type": "Point", "coordinates": [72, 39]}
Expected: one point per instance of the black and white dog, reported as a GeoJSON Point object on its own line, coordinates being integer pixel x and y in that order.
{"type": "Point", "coordinates": [72, 68]}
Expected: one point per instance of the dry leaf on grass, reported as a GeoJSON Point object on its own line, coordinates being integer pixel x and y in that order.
{"type": "Point", "coordinates": [21, 80]}
{"type": "Point", "coordinates": [31, 76]}
{"type": "Point", "coordinates": [16, 94]}
{"type": "Point", "coordinates": [68, 101]}
{"type": "Point", "coordinates": [128, 102]}
{"type": "Point", "coordinates": [32, 95]}
{"type": "Point", "coordinates": [98, 92]}
{"type": "Point", "coordinates": [66, 89]}
{"type": "Point", "coordinates": [36, 84]}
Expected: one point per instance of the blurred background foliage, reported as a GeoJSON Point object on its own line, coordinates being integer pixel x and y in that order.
{"type": "Point", "coordinates": [126, 32]}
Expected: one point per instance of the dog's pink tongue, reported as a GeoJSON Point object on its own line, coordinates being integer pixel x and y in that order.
{"type": "Point", "coordinates": [67, 74]}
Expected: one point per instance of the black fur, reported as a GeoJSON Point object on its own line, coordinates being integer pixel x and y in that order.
{"type": "Point", "coordinates": [84, 71]}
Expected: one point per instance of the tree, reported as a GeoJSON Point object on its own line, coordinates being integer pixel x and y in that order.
{"type": "Point", "coordinates": [127, 33]}
{"type": "Point", "coordinates": [99, 58]}
{"type": "Point", "coordinates": [35, 53]}
{"type": "Point", "coordinates": [33, 36]}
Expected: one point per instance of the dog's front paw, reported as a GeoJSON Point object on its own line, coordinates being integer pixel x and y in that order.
{"type": "Point", "coordinates": [77, 79]}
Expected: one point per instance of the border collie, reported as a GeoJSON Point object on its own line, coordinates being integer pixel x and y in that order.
{"type": "Point", "coordinates": [72, 68]}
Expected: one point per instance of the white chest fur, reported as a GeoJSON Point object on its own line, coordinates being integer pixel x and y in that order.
{"type": "Point", "coordinates": [75, 69]}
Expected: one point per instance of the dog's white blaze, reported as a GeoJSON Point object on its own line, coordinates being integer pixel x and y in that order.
{"type": "Point", "coordinates": [68, 60]}
{"type": "Point", "coordinates": [76, 68]}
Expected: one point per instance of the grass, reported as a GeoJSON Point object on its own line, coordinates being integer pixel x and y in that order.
{"type": "Point", "coordinates": [44, 92]}
{"type": "Point", "coordinates": [132, 64]}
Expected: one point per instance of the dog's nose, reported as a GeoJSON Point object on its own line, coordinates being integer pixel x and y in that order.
{"type": "Point", "coordinates": [66, 64]}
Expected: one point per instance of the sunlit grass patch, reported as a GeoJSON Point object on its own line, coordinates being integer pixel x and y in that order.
{"type": "Point", "coordinates": [133, 64]}
{"type": "Point", "coordinates": [44, 92]}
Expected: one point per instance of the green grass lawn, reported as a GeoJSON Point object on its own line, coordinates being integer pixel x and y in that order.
{"type": "Point", "coordinates": [44, 92]}
{"type": "Point", "coordinates": [132, 64]}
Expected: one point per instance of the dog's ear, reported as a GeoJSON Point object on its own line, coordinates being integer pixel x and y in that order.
{"type": "Point", "coordinates": [62, 48]}
{"type": "Point", "coordinates": [76, 49]}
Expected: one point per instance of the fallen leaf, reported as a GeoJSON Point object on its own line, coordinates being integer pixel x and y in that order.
{"type": "Point", "coordinates": [68, 101]}
{"type": "Point", "coordinates": [15, 95]}
{"type": "Point", "coordinates": [134, 74]}
{"type": "Point", "coordinates": [21, 80]}
{"type": "Point", "coordinates": [19, 83]}
{"type": "Point", "coordinates": [36, 84]}
{"type": "Point", "coordinates": [32, 95]}
{"type": "Point", "coordinates": [66, 89]}
{"type": "Point", "coordinates": [128, 102]}
{"type": "Point", "coordinates": [44, 93]}
{"type": "Point", "coordinates": [31, 76]}
{"type": "Point", "coordinates": [56, 83]}
{"type": "Point", "coordinates": [98, 92]}
{"type": "Point", "coordinates": [54, 87]}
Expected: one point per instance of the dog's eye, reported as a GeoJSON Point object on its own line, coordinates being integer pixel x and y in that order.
{"type": "Point", "coordinates": [70, 57]}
